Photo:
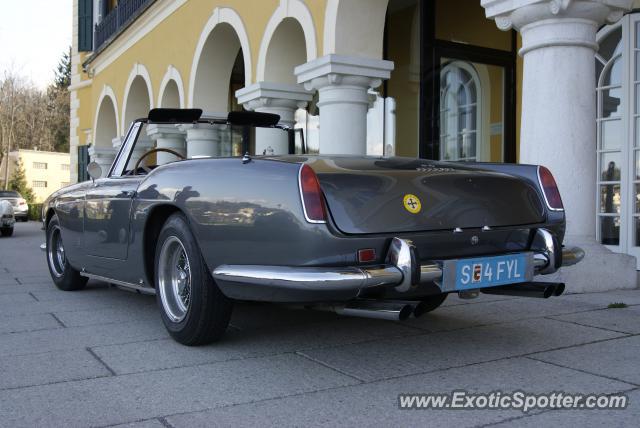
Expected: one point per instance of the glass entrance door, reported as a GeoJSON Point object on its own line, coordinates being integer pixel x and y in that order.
{"type": "Point", "coordinates": [471, 111]}
{"type": "Point", "coordinates": [618, 130]}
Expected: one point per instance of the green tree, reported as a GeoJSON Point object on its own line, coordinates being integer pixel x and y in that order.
{"type": "Point", "coordinates": [58, 105]}
{"type": "Point", "coordinates": [62, 79]}
{"type": "Point", "coordinates": [18, 183]}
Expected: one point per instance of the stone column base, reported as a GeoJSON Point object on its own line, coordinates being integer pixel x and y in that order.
{"type": "Point", "coordinates": [600, 270]}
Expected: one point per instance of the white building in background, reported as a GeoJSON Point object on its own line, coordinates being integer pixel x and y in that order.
{"type": "Point", "coordinates": [45, 172]}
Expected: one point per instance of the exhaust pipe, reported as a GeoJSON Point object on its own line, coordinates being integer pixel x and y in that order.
{"type": "Point", "coordinates": [379, 309]}
{"type": "Point", "coordinates": [542, 290]}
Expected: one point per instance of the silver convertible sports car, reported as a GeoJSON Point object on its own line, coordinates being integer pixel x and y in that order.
{"type": "Point", "coordinates": [362, 236]}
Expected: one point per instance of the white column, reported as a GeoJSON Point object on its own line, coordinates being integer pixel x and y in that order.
{"type": "Point", "coordinates": [143, 145]}
{"type": "Point", "coordinates": [167, 137]}
{"type": "Point", "coordinates": [276, 98]}
{"type": "Point", "coordinates": [559, 117]}
{"type": "Point", "coordinates": [202, 140]}
{"type": "Point", "coordinates": [116, 142]}
{"type": "Point", "coordinates": [343, 83]}
{"type": "Point", "coordinates": [103, 156]}
{"type": "Point", "coordinates": [558, 97]}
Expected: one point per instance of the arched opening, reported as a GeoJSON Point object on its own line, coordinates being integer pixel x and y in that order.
{"type": "Point", "coordinates": [170, 98]}
{"type": "Point", "coordinates": [219, 72]}
{"type": "Point", "coordinates": [138, 102]}
{"type": "Point", "coordinates": [287, 49]}
{"type": "Point", "coordinates": [106, 124]}
{"type": "Point", "coordinates": [355, 27]}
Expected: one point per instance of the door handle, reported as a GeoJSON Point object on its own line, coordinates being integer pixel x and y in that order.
{"type": "Point", "coordinates": [130, 193]}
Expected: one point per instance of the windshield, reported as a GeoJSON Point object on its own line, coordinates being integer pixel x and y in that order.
{"type": "Point", "coordinates": [149, 145]}
{"type": "Point", "coordinates": [9, 194]}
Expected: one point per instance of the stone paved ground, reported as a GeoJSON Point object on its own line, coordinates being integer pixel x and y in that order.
{"type": "Point", "coordinates": [101, 357]}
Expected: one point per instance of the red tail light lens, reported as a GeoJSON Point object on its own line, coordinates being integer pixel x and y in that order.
{"type": "Point", "coordinates": [311, 195]}
{"type": "Point", "coordinates": [366, 255]}
{"type": "Point", "coordinates": [550, 189]}
{"type": "Point", "coordinates": [22, 202]}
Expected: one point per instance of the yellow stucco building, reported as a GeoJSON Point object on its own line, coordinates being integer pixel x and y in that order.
{"type": "Point", "coordinates": [424, 78]}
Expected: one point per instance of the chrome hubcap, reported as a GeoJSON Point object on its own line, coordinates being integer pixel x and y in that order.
{"type": "Point", "coordinates": [174, 279]}
{"type": "Point", "coordinates": [55, 252]}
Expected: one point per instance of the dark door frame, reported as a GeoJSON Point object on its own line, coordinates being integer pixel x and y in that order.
{"type": "Point", "coordinates": [432, 51]}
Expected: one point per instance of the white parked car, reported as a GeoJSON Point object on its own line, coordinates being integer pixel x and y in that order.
{"type": "Point", "coordinates": [7, 219]}
{"type": "Point", "coordinates": [20, 206]}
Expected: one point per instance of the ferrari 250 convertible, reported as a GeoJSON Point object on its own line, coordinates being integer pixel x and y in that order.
{"type": "Point", "coordinates": [362, 236]}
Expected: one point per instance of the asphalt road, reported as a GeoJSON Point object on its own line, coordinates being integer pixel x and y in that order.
{"type": "Point", "coordinates": [101, 357]}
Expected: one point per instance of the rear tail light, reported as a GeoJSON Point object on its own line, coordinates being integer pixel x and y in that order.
{"type": "Point", "coordinates": [550, 189]}
{"type": "Point", "coordinates": [22, 202]}
{"type": "Point", "coordinates": [366, 255]}
{"type": "Point", "coordinates": [311, 195]}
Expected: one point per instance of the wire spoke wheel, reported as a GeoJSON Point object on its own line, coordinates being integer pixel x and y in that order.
{"type": "Point", "coordinates": [55, 252]}
{"type": "Point", "coordinates": [174, 279]}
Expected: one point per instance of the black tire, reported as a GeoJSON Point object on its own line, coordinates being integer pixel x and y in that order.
{"type": "Point", "coordinates": [64, 276]}
{"type": "Point", "coordinates": [430, 303]}
{"type": "Point", "coordinates": [6, 231]}
{"type": "Point", "coordinates": [195, 312]}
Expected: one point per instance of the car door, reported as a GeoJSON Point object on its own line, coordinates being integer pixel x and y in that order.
{"type": "Point", "coordinates": [107, 216]}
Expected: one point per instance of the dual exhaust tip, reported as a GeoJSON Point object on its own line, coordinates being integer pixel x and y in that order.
{"type": "Point", "coordinates": [400, 310]}
{"type": "Point", "coordinates": [393, 310]}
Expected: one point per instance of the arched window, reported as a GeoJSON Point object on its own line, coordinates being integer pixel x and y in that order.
{"type": "Point", "coordinates": [609, 116]}
{"type": "Point", "coordinates": [618, 129]}
{"type": "Point", "coordinates": [459, 112]}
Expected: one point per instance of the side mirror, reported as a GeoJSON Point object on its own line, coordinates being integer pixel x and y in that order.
{"type": "Point", "coordinates": [94, 170]}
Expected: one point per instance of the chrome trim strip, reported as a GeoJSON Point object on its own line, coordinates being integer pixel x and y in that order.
{"type": "Point", "coordinates": [310, 278]}
{"type": "Point", "coordinates": [402, 255]}
{"type": "Point", "coordinates": [549, 251]}
{"type": "Point", "coordinates": [136, 287]}
{"type": "Point", "coordinates": [572, 256]}
{"type": "Point", "coordinates": [304, 208]}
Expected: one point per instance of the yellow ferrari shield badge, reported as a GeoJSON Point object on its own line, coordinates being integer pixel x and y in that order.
{"type": "Point", "coordinates": [412, 203]}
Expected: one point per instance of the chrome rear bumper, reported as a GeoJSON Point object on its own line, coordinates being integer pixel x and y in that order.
{"type": "Point", "coordinates": [316, 284]}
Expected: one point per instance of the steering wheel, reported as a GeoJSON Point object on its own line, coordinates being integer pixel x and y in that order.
{"type": "Point", "coordinates": [159, 149]}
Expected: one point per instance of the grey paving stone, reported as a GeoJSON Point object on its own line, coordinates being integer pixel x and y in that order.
{"type": "Point", "coordinates": [121, 399]}
{"type": "Point", "coordinates": [615, 358]}
{"type": "Point", "coordinates": [23, 323]}
{"type": "Point", "coordinates": [102, 292]}
{"type": "Point", "coordinates": [403, 356]}
{"type": "Point", "coordinates": [23, 288]}
{"type": "Point", "coordinates": [109, 299]}
{"type": "Point", "coordinates": [40, 369]}
{"type": "Point", "coordinates": [150, 423]}
{"type": "Point", "coordinates": [135, 357]}
{"type": "Point", "coordinates": [15, 298]}
{"type": "Point", "coordinates": [376, 404]}
{"type": "Point", "coordinates": [79, 337]}
{"type": "Point", "coordinates": [630, 297]}
{"type": "Point", "coordinates": [144, 311]}
{"type": "Point", "coordinates": [460, 316]}
{"type": "Point", "coordinates": [618, 418]}
{"type": "Point", "coordinates": [620, 319]}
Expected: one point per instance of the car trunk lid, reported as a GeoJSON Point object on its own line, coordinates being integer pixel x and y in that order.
{"type": "Point", "coordinates": [395, 195]}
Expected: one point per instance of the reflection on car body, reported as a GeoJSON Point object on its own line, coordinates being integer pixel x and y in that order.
{"type": "Point", "coordinates": [363, 236]}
